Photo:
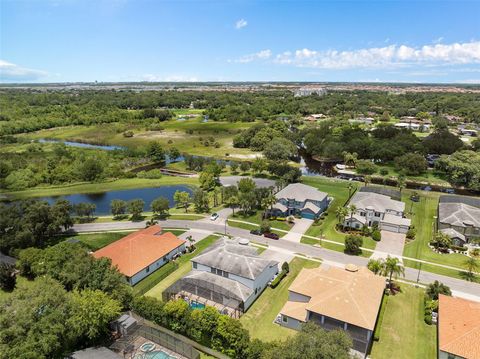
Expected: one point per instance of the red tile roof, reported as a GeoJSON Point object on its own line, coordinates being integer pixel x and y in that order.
{"type": "Point", "coordinates": [136, 251]}
{"type": "Point", "coordinates": [459, 327]}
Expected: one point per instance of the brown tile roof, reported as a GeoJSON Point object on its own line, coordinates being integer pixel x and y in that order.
{"type": "Point", "coordinates": [352, 297]}
{"type": "Point", "coordinates": [139, 249]}
{"type": "Point", "coordinates": [459, 327]}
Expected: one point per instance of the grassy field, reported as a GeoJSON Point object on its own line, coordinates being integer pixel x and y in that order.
{"type": "Point", "coordinates": [183, 269]}
{"type": "Point", "coordinates": [120, 184]}
{"type": "Point", "coordinates": [334, 246]}
{"type": "Point", "coordinates": [249, 227]}
{"type": "Point", "coordinates": [174, 134]}
{"type": "Point", "coordinates": [429, 176]}
{"type": "Point", "coordinates": [260, 316]}
{"type": "Point", "coordinates": [404, 334]}
{"type": "Point", "coordinates": [257, 218]}
{"type": "Point", "coordinates": [96, 241]}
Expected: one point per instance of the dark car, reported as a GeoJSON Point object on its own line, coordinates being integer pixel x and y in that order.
{"type": "Point", "coordinates": [256, 232]}
{"type": "Point", "coordinates": [271, 235]}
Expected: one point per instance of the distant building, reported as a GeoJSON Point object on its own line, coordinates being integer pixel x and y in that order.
{"type": "Point", "coordinates": [377, 209]}
{"type": "Point", "coordinates": [227, 275]}
{"type": "Point", "coordinates": [458, 328]}
{"type": "Point", "coordinates": [307, 91]}
{"type": "Point", "coordinates": [413, 126]}
{"type": "Point", "coordinates": [362, 120]}
{"type": "Point", "coordinates": [336, 299]}
{"type": "Point", "coordinates": [143, 252]}
{"type": "Point", "coordinates": [315, 117]}
{"type": "Point", "coordinates": [300, 199]}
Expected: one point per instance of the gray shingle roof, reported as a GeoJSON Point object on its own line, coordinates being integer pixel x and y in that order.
{"type": "Point", "coordinates": [453, 234]}
{"type": "Point", "coordinates": [379, 202]}
{"type": "Point", "coordinates": [459, 214]}
{"type": "Point", "coordinates": [234, 258]}
{"type": "Point", "coordinates": [301, 192]}
{"type": "Point", "coordinates": [392, 219]}
{"type": "Point", "coordinates": [312, 207]}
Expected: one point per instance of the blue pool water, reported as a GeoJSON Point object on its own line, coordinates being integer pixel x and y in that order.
{"type": "Point", "coordinates": [196, 305]}
{"type": "Point", "coordinates": [157, 354]}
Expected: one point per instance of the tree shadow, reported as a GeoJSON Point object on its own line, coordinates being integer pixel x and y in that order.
{"type": "Point", "coordinates": [468, 276]}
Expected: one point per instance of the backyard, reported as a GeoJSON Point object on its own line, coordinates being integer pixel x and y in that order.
{"type": "Point", "coordinates": [260, 316]}
{"type": "Point", "coordinates": [403, 330]}
{"type": "Point", "coordinates": [95, 241]}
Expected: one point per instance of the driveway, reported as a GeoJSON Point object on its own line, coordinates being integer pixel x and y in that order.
{"type": "Point", "coordinates": [390, 244]}
{"type": "Point", "coordinates": [197, 234]}
{"type": "Point", "coordinates": [277, 255]}
{"type": "Point", "coordinates": [299, 228]}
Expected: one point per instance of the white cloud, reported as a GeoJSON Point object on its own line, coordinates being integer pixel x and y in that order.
{"type": "Point", "coordinates": [261, 55]}
{"type": "Point", "coordinates": [11, 72]}
{"type": "Point", "coordinates": [469, 81]}
{"type": "Point", "coordinates": [390, 56]}
{"type": "Point", "coordinates": [169, 78]}
{"type": "Point", "coordinates": [241, 24]}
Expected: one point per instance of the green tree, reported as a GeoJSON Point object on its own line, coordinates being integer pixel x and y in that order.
{"type": "Point", "coordinates": [91, 169]}
{"type": "Point", "coordinates": [353, 244]}
{"type": "Point", "coordinates": [442, 240]}
{"type": "Point", "coordinates": [230, 337]}
{"type": "Point", "coordinates": [92, 312]}
{"type": "Point", "coordinates": [259, 165]}
{"type": "Point", "coordinates": [265, 226]}
{"type": "Point", "coordinates": [155, 152]}
{"type": "Point", "coordinates": [118, 207]}
{"type": "Point", "coordinates": [8, 278]}
{"type": "Point", "coordinates": [182, 199]}
{"type": "Point", "coordinates": [135, 208]}
{"type": "Point", "coordinates": [246, 185]}
{"type": "Point", "coordinates": [471, 265]}
{"type": "Point", "coordinates": [174, 154]}
{"type": "Point", "coordinates": [232, 202]}
{"type": "Point", "coordinates": [436, 288]}
{"type": "Point", "coordinates": [375, 265]}
{"type": "Point", "coordinates": [233, 166]}
{"type": "Point", "coordinates": [160, 206]}
{"type": "Point", "coordinates": [207, 180]}
{"type": "Point", "coordinates": [200, 201]}
{"type": "Point", "coordinates": [413, 164]}
{"type": "Point", "coordinates": [366, 167]}
{"type": "Point", "coordinates": [244, 166]}
{"type": "Point", "coordinates": [84, 209]}
{"type": "Point", "coordinates": [279, 149]}
{"type": "Point", "coordinates": [352, 209]}
{"type": "Point", "coordinates": [392, 266]}
{"type": "Point", "coordinates": [341, 213]}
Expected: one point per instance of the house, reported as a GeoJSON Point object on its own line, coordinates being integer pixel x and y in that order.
{"type": "Point", "coordinates": [300, 199]}
{"type": "Point", "coordinates": [227, 275]}
{"type": "Point", "coordinates": [461, 221]}
{"type": "Point", "coordinates": [362, 120]}
{"type": "Point", "coordinates": [413, 126]}
{"type": "Point", "coordinates": [346, 299]}
{"type": "Point", "coordinates": [377, 209]}
{"type": "Point", "coordinates": [458, 328]}
{"type": "Point", "coordinates": [143, 252]}
{"type": "Point", "coordinates": [308, 91]}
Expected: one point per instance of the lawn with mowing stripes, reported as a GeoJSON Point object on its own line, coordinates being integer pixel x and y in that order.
{"type": "Point", "coordinates": [95, 241]}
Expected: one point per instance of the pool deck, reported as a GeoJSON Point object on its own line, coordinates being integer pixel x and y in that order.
{"type": "Point", "coordinates": [139, 341]}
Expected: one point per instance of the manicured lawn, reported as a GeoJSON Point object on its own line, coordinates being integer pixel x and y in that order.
{"type": "Point", "coordinates": [257, 218]}
{"type": "Point", "coordinates": [260, 316]}
{"type": "Point", "coordinates": [183, 269]}
{"type": "Point", "coordinates": [126, 183]}
{"type": "Point", "coordinates": [422, 219]}
{"type": "Point", "coordinates": [404, 334]}
{"type": "Point", "coordinates": [249, 227]}
{"type": "Point", "coordinates": [333, 246]}
{"type": "Point", "coordinates": [96, 241]}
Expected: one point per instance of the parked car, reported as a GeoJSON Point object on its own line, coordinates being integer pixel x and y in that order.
{"type": "Point", "coordinates": [214, 216]}
{"type": "Point", "coordinates": [271, 235]}
{"type": "Point", "coordinates": [256, 232]}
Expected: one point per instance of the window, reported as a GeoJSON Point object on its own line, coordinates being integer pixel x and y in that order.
{"type": "Point", "coordinates": [225, 274]}
{"type": "Point", "coordinates": [212, 270]}
{"type": "Point", "coordinates": [165, 258]}
{"type": "Point", "coordinates": [363, 214]}
{"type": "Point", "coordinates": [147, 269]}
{"type": "Point", "coordinates": [194, 265]}
{"type": "Point", "coordinates": [377, 214]}
{"type": "Point", "coordinates": [284, 319]}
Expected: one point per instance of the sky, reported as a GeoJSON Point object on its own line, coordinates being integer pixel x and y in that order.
{"type": "Point", "coordinates": [153, 40]}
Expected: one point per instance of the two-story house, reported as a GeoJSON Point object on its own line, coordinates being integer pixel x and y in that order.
{"type": "Point", "coordinates": [302, 200]}
{"type": "Point", "coordinates": [460, 221]}
{"type": "Point", "coordinates": [336, 299]}
{"type": "Point", "coordinates": [227, 275]}
{"type": "Point", "coordinates": [377, 209]}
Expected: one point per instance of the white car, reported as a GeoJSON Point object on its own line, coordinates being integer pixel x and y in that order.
{"type": "Point", "coordinates": [214, 216]}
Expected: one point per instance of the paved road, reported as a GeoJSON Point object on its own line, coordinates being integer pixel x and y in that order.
{"type": "Point", "coordinates": [459, 287]}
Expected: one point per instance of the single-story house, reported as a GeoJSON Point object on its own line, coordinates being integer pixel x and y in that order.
{"type": "Point", "coordinates": [336, 299]}
{"type": "Point", "coordinates": [300, 199]}
{"type": "Point", "coordinates": [460, 221]}
{"type": "Point", "coordinates": [413, 126]}
{"type": "Point", "coordinates": [227, 275]}
{"type": "Point", "coordinates": [143, 252]}
{"type": "Point", "coordinates": [377, 209]}
{"type": "Point", "coordinates": [458, 328]}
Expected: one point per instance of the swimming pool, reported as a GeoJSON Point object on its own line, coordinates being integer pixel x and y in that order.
{"type": "Point", "coordinates": [157, 354]}
{"type": "Point", "coordinates": [196, 305]}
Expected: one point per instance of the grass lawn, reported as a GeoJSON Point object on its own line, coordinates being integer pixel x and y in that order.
{"type": "Point", "coordinates": [249, 227]}
{"type": "Point", "coordinates": [404, 334]}
{"type": "Point", "coordinates": [260, 316]}
{"type": "Point", "coordinates": [183, 269]}
{"type": "Point", "coordinates": [257, 218]}
{"type": "Point", "coordinates": [125, 183]}
{"type": "Point", "coordinates": [422, 219]}
{"type": "Point", "coordinates": [333, 246]}
{"type": "Point", "coordinates": [96, 241]}
{"type": "Point", "coordinates": [430, 176]}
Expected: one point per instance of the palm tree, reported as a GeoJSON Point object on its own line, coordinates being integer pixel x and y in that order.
{"type": "Point", "coordinates": [352, 209]}
{"type": "Point", "coordinates": [471, 265]}
{"type": "Point", "coordinates": [401, 183]}
{"type": "Point", "coordinates": [350, 188]}
{"type": "Point", "coordinates": [269, 201]}
{"type": "Point", "coordinates": [341, 213]}
{"type": "Point", "coordinates": [392, 266]}
{"type": "Point", "coordinates": [442, 240]}
{"type": "Point", "coordinates": [232, 202]}
{"type": "Point", "coordinates": [436, 288]}
{"type": "Point", "coordinates": [375, 265]}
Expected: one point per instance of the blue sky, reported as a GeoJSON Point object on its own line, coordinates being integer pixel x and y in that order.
{"type": "Point", "coordinates": [148, 40]}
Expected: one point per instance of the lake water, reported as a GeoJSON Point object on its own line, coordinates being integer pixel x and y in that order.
{"type": "Point", "coordinates": [102, 200]}
{"type": "Point", "coordinates": [83, 145]}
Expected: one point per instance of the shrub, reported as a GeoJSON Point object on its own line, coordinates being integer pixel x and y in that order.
{"type": "Point", "coordinates": [128, 134]}
{"type": "Point", "coordinates": [384, 172]}
{"type": "Point", "coordinates": [353, 244]}
{"type": "Point", "coordinates": [279, 278]}
{"type": "Point", "coordinates": [376, 235]}
{"type": "Point", "coordinates": [411, 233]}
{"type": "Point", "coordinates": [366, 167]}
{"type": "Point", "coordinates": [152, 174]}
{"type": "Point", "coordinates": [285, 267]}
{"type": "Point", "coordinates": [265, 226]}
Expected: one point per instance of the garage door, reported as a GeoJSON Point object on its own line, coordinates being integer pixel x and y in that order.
{"type": "Point", "coordinates": [389, 227]}
{"type": "Point", "coordinates": [308, 215]}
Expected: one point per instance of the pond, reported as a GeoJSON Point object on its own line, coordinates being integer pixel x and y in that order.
{"type": "Point", "coordinates": [102, 200]}
{"type": "Point", "coordinates": [83, 145]}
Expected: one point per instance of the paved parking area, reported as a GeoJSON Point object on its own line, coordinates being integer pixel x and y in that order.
{"type": "Point", "coordinates": [299, 228]}
{"type": "Point", "coordinates": [391, 244]}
